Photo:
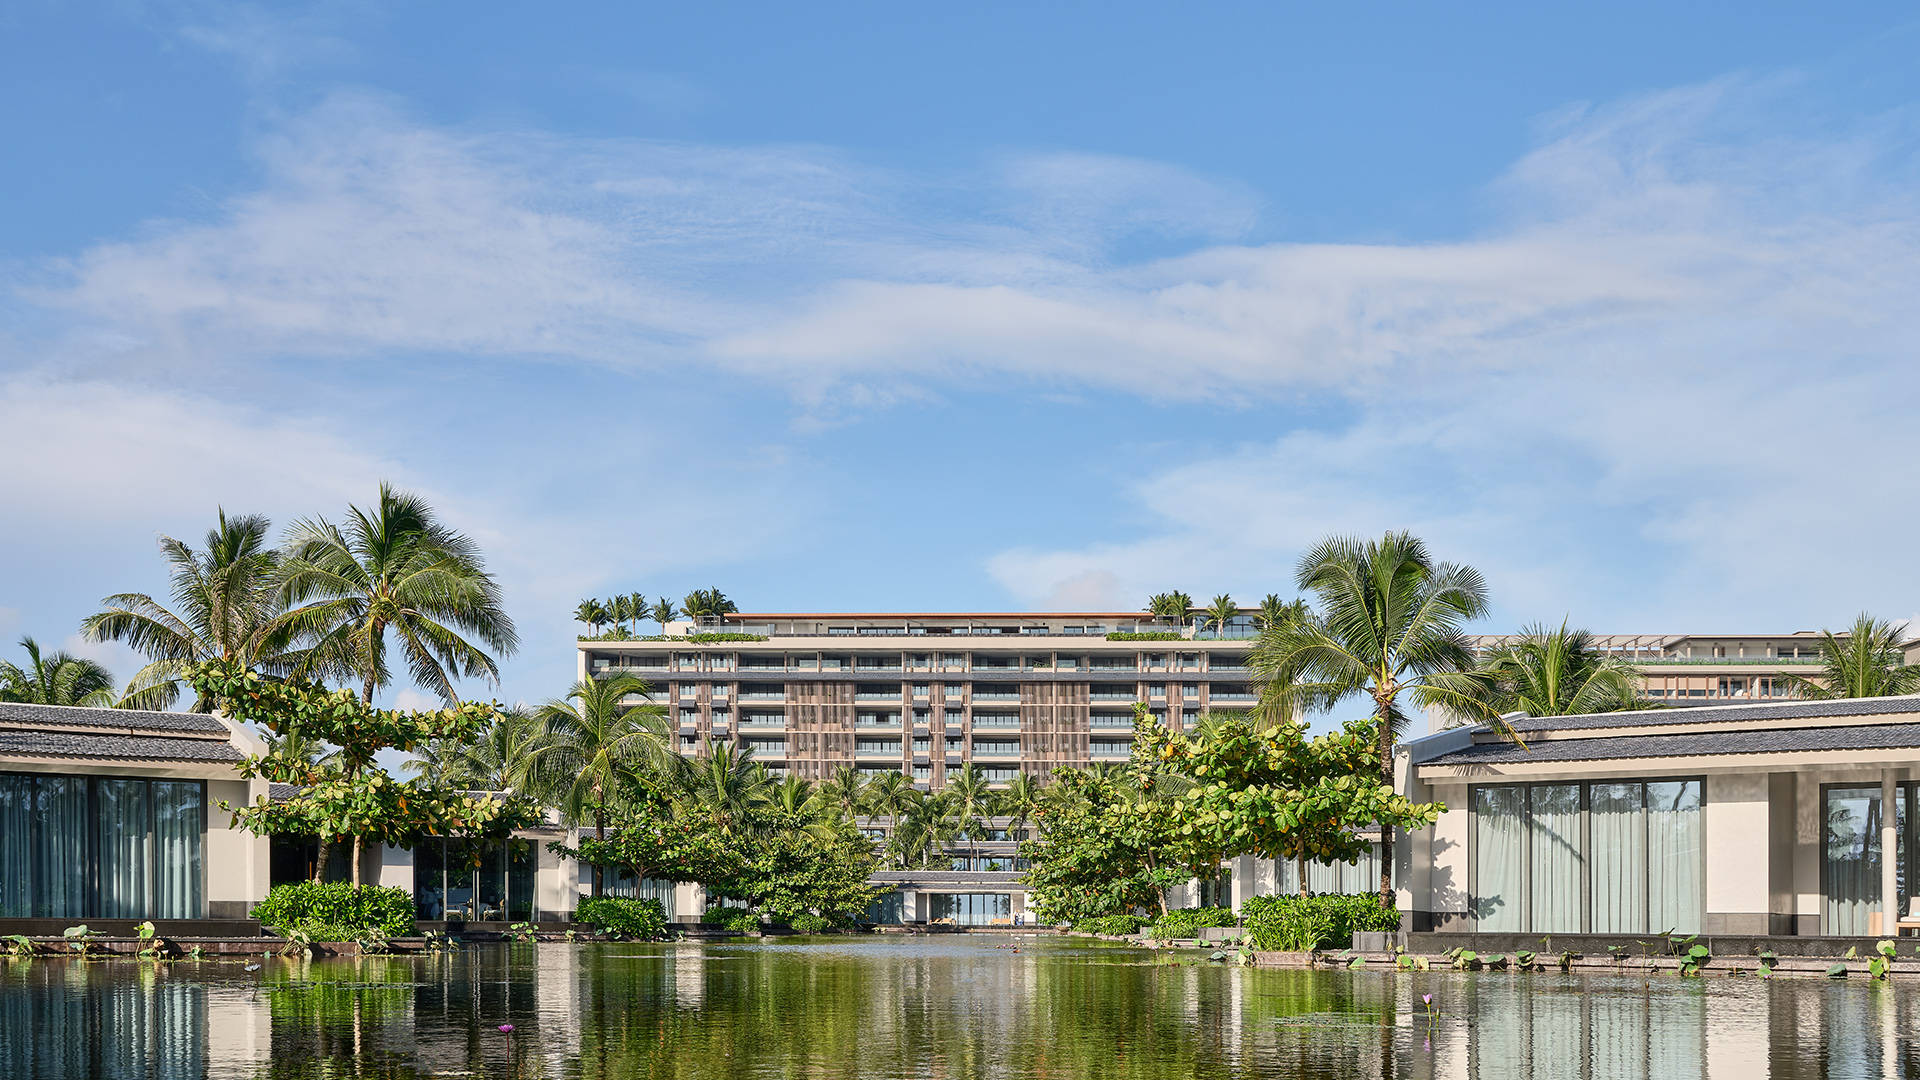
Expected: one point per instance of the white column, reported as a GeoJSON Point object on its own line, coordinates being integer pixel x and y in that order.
{"type": "Point", "coordinates": [1889, 853]}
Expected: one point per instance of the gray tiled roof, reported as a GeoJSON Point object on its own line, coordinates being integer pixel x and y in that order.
{"type": "Point", "coordinates": [1689, 744]}
{"type": "Point", "coordinates": [1718, 714]}
{"type": "Point", "coordinates": [70, 744]}
{"type": "Point", "coordinates": [56, 716]}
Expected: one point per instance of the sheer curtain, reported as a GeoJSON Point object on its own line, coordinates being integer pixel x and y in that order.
{"type": "Point", "coordinates": [60, 846]}
{"type": "Point", "coordinates": [1853, 859]}
{"type": "Point", "coordinates": [178, 871]}
{"type": "Point", "coordinates": [1676, 896]}
{"type": "Point", "coordinates": [123, 837]}
{"type": "Point", "coordinates": [16, 846]}
{"type": "Point", "coordinates": [1499, 836]}
{"type": "Point", "coordinates": [1556, 866]}
{"type": "Point", "coordinates": [1617, 846]}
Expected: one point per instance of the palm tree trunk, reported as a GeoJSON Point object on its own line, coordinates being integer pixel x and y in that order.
{"type": "Point", "coordinates": [1386, 831]}
{"type": "Point", "coordinates": [600, 834]}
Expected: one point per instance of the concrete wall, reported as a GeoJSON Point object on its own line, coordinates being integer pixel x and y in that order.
{"type": "Point", "coordinates": [237, 864]}
{"type": "Point", "coordinates": [1739, 882]}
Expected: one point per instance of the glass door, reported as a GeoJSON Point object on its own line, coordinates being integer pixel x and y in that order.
{"type": "Point", "coordinates": [1851, 874]}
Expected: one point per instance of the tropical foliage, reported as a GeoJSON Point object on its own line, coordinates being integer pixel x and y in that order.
{"type": "Point", "coordinates": [56, 678]}
{"type": "Point", "coordinates": [1558, 672]}
{"type": "Point", "coordinates": [1865, 661]}
{"type": "Point", "coordinates": [1170, 605]}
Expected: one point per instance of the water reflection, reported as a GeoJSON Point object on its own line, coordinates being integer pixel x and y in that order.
{"type": "Point", "coordinates": [954, 1007]}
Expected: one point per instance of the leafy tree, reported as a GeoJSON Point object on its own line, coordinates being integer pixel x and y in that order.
{"type": "Point", "coordinates": [1866, 661]}
{"type": "Point", "coordinates": [657, 836]}
{"type": "Point", "coordinates": [1389, 625]}
{"type": "Point", "coordinates": [1097, 854]}
{"type": "Point", "coordinates": [1558, 672]}
{"type": "Point", "coordinates": [347, 794]}
{"type": "Point", "coordinates": [1220, 612]}
{"type": "Point", "coordinates": [796, 864]}
{"type": "Point", "coordinates": [224, 605]}
{"type": "Point", "coordinates": [591, 741]}
{"type": "Point", "coordinates": [57, 678]}
{"type": "Point", "coordinates": [707, 604]}
{"type": "Point", "coordinates": [663, 612]}
{"type": "Point", "coordinates": [392, 570]}
{"type": "Point", "coordinates": [1170, 605]}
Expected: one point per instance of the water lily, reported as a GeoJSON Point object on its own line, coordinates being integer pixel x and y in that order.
{"type": "Point", "coordinates": [1427, 999]}
{"type": "Point", "coordinates": [506, 1029]}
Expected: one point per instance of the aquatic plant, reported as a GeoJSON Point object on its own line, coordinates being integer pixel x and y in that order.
{"type": "Point", "coordinates": [80, 939]}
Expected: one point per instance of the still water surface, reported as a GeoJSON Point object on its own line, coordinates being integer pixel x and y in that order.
{"type": "Point", "coordinates": [948, 1007]}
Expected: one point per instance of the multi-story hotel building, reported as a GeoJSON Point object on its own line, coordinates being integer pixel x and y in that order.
{"type": "Point", "coordinates": [924, 693]}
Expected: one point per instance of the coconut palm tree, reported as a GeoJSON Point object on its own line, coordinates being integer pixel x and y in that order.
{"type": "Point", "coordinates": [393, 570]}
{"type": "Point", "coordinates": [927, 829]}
{"type": "Point", "coordinates": [496, 760]}
{"type": "Point", "coordinates": [223, 606]}
{"type": "Point", "coordinates": [1170, 605]}
{"type": "Point", "coordinates": [589, 613]}
{"type": "Point", "coordinates": [1558, 672]}
{"type": "Point", "coordinates": [1220, 612]}
{"type": "Point", "coordinates": [57, 678]}
{"type": "Point", "coordinates": [663, 612]}
{"type": "Point", "coordinates": [619, 610]}
{"type": "Point", "coordinates": [1022, 800]}
{"type": "Point", "coordinates": [637, 608]}
{"type": "Point", "coordinates": [1866, 661]}
{"type": "Point", "coordinates": [1275, 611]}
{"type": "Point", "coordinates": [1388, 628]}
{"type": "Point", "coordinates": [973, 799]}
{"type": "Point", "coordinates": [590, 743]}
{"type": "Point", "coordinates": [707, 604]}
{"type": "Point", "coordinates": [886, 795]}
{"type": "Point", "coordinates": [844, 790]}
{"type": "Point", "coordinates": [726, 784]}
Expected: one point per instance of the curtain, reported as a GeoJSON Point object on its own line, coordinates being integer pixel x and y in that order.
{"type": "Point", "coordinates": [16, 845]}
{"type": "Point", "coordinates": [1556, 862]}
{"type": "Point", "coordinates": [1323, 879]}
{"type": "Point", "coordinates": [1853, 859]}
{"type": "Point", "coordinates": [520, 878]}
{"type": "Point", "coordinates": [1499, 857]}
{"type": "Point", "coordinates": [60, 847]}
{"type": "Point", "coordinates": [493, 880]}
{"type": "Point", "coordinates": [1676, 895]}
{"type": "Point", "coordinates": [1362, 875]}
{"type": "Point", "coordinates": [430, 880]}
{"type": "Point", "coordinates": [1617, 858]}
{"type": "Point", "coordinates": [123, 837]}
{"type": "Point", "coordinates": [178, 870]}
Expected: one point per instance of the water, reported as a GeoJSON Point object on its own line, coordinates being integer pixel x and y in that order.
{"type": "Point", "coordinates": [945, 1007]}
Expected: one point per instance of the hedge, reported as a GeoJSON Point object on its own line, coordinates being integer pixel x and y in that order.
{"type": "Point", "coordinates": [626, 917]}
{"type": "Point", "coordinates": [336, 910]}
{"type": "Point", "coordinates": [1305, 923]}
{"type": "Point", "coordinates": [808, 923]}
{"type": "Point", "coordinates": [1114, 925]}
{"type": "Point", "coordinates": [731, 918]}
{"type": "Point", "coordinates": [1146, 635]}
{"type": "Point", "coordinates": [1187, 922]}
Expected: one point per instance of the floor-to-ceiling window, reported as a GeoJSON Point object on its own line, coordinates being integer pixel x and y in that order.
{"type": "Point", "coordinates": [1852, 860]}
{"type": "Point", "coordinates": [1617, 857]}
{"type": "Point", "coordinates": [474, 880]}
{"type": "Point", "coordinates": [970, 909]}
{"type": "Point", "coordinates": [1360, 876]}
{"type": "Point", "coordinates": [101, 847]}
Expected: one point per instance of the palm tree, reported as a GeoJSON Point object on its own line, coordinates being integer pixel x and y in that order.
{"type": "Point", "coordinates": [1022, 800]}
{"type": "Point", "coordinates": [55, 679]}
{"type": "Point", "coordinates": [845, 791]}
{"type": "Point", "coordinates": [619, 610]}
{"type": "Point", "coordinates": [1389, 624]}
{"type": "Point", "coordinates": [1170, 605]}
{"type": "Point", "coordinates": [590, 743]}
{"type": "Point", "coordinates": [663, 612]}
{"type": "Point", "coordinates": [1219, 613]}
{"type": "Point", "coordinates": [1275, 611]}
{"type": "Point", "coordinates": [637, 609]}
{"type": "Point", "coordinates": [497, 760]}
{"type": "Point", "coordinates": [707, 604]}
{"type": "Point", "coordinates": [588, 613]}
{"type": "Point", "coordinates": [727, 784]}
{"type": "Point", "coordinates": [886, 795]}
{"type": "Point", "coordinates": [1558, 673]}
{"type": "Point", "coordinates": [1866, 661]}
{"type": "Point", "coordinates": [973, 799]}
{"type": "Point", "coordinates": [223, 607]}
{"type": "Point", "coordinates": [396, 569]}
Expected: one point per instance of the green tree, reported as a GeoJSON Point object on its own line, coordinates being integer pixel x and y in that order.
{"type": "Point", "coordinates": [590, 742]}
{"type": "Point", "coordinates": [620, 609]}
{"type": "Point", "coordinates": [1866, 661]}
{"type": "Point", "coordinates": [1221, 612]}
{"type": "Point", "coordinates": [345, 793]}
{"type": "Point", "coordinates": [223, 608]}
{"type": "Point", "coordinates": [1277, 612]}
{"type": "Point", "coordinates": [57, 678]}
{"type": "Point", "coordinates": [1558, 672]}
{"type": "Point", "coordinates": [392, 570]}
{"type": "Point", "coordinates": [590, 614]}
{"type": "Point", "coordinates": [495, 759]}
{"type": "Point", "coordinates": [1170, 605]}
{"type": "Point", "coordinates": [726, 785]}
{"type": "Point", "coordinates": [663, 612]}
{"type": "Point", "coordinates": [707, 604]}
{"type": "Point", "coordinates": [885, 795]}
{"type": "Point", "coordinates": [1100, 851]}
{"type": "Point", "coordinates": [1022, 800]}
{"type": "Point", "coordinates": [845, 790]}
{"type": "Point", "coordinates": [972, 799]}
{"type": "Point", "coordinates": [637, 610]}
{"type": "Point", "coordinates": [1389, 626]}
{"type": "Point", "coordinates": [656, 835]}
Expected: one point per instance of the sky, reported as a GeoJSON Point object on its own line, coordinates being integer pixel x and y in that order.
{"type": "Point", "coordinates": [877, 307]}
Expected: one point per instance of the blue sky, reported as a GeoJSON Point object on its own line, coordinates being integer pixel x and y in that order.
{"type": "Point", "coordinates": [877, 307]}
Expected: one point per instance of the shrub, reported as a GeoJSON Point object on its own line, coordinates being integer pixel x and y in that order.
{"type": "Point", "coordinates": [1116, 925]}
{"type": "Point", "coordinates": [1187, 922]}
{"type": "Point", "coordinates": [808, 923]}
{"type": "Point", "coordinates": [1304, 923]}
{"type": "Point", "coordinates": [1144, 635]}
{"type": "Point", "coordinates": [336, 910]}
{"type": "Point", "coordinates": [731, 918]}
{"type": "Point", "coordinates": [625, 917]}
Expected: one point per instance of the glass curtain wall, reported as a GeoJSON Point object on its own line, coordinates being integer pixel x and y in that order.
{"type": "Point", "coordinates": [101, 847]}
{"type": "Point", "coordinates": [1621, 857]}
{"type": "Point", "coordinates": [970, 909]}
{"type": "Point", "coordinates": [476, 880]}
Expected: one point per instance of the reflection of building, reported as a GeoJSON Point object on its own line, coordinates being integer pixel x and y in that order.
{"type": "Point", "coordinates": [924, 694]}
{"type": "Point", "coordinates": [1768, 818]}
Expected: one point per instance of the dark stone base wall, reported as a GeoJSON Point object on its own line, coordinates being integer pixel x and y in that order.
{"type": "Point", "coordinates": [1596, 945]}
{"type": "Point", "coordinates": [166, 928]}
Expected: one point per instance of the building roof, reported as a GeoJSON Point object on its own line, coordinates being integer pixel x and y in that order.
{"type": "Point", "coordinates": [1720, 714]}
{"type": "Point", "coordinates": [67, 744]}
{"type": "Point", "coordinates": [740, 616]}
{"type": "Point", "coordinates": [43, 717]}
{"type": "Point", "coordinates": [1690, 744]}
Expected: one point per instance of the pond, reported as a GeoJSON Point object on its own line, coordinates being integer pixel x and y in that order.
{"type": "Point", "coordinates": [949, 1007]}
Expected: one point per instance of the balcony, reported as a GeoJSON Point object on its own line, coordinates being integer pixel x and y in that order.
{"type": "Point", "coordinates": [1109, 749]}
{"type": "Point", "coordinates": [1112, 720]}
{"type": "Point", "coordinates": [995, 720]}
{"type": "Point", "coordinates": [875, 695]}
{"type": "Point", "coordinates": [996, 749]}
{"type": "Point", "coordinates": [1010, 697]}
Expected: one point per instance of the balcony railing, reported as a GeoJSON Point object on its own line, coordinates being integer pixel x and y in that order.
{"type": "Point", "coordinates": [1110, 750]}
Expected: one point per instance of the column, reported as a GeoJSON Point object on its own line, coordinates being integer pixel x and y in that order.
{"type": "Point", "coordinates": [1889, 853]}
